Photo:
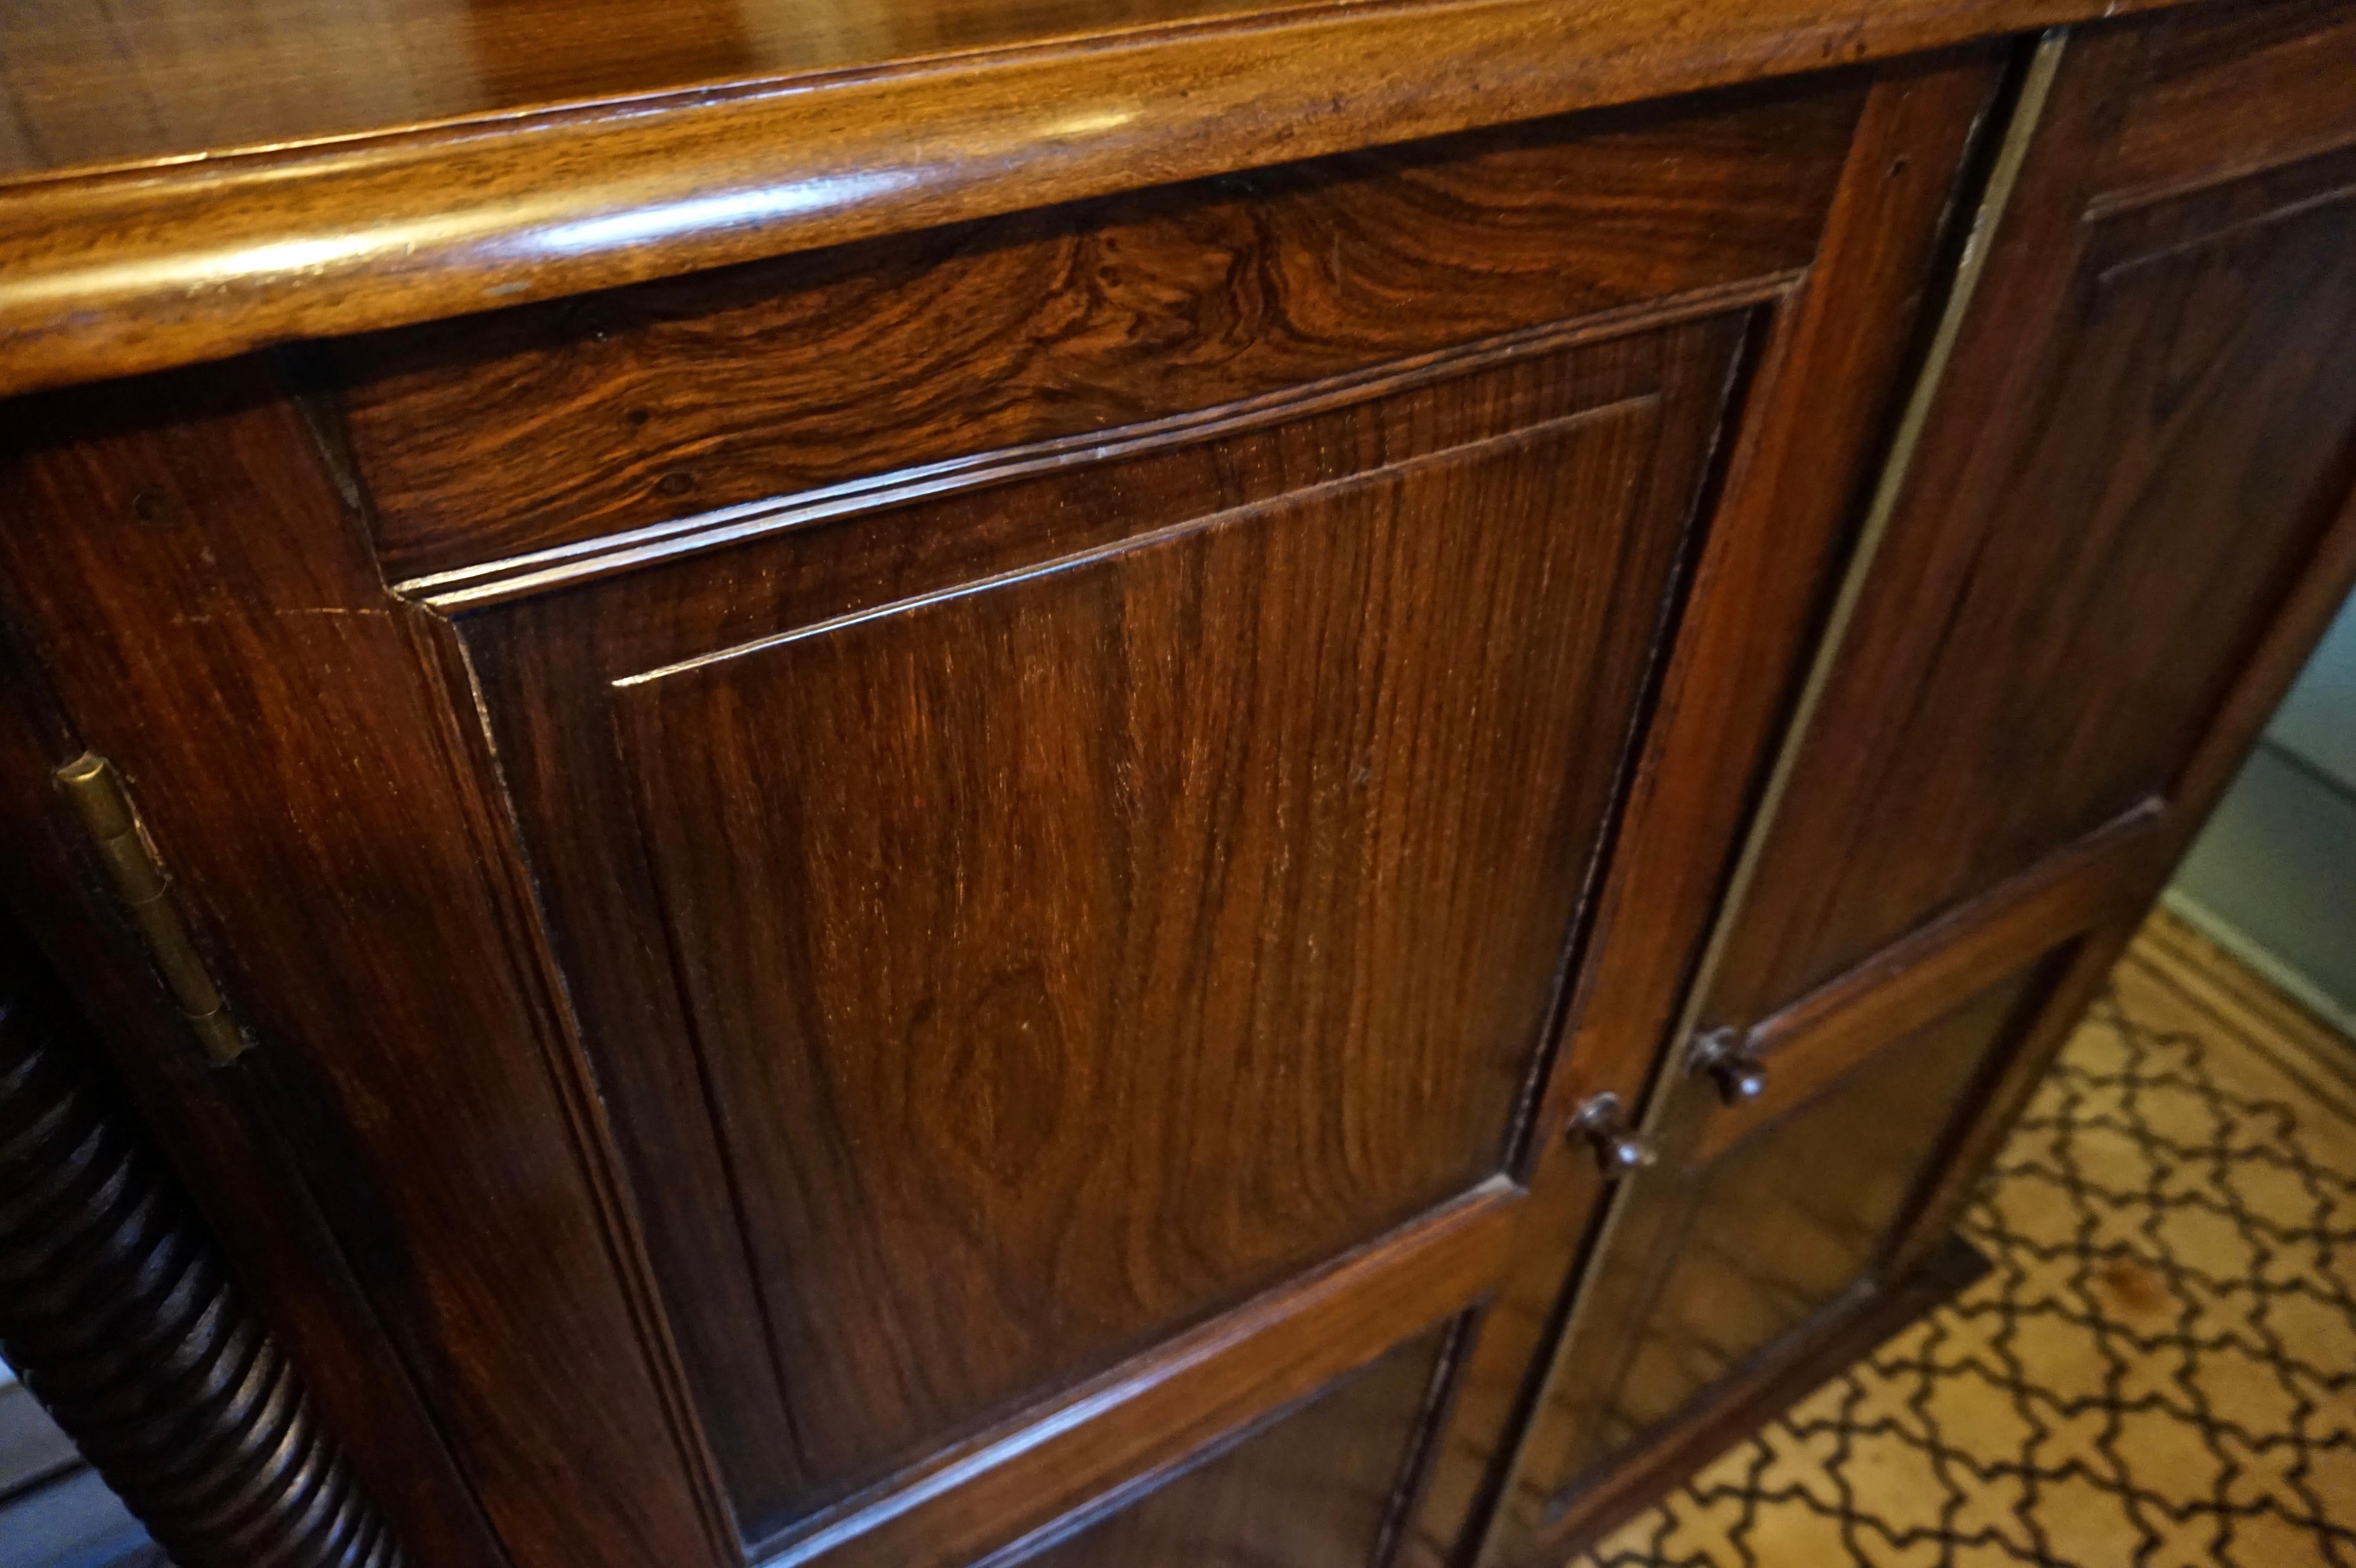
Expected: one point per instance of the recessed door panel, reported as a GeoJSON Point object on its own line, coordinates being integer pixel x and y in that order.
{"type": "Point", "coordinates": [2130, 475]}
{"type": "Point", "coordinates": [2017, 679]}
{"type": "Point", "coordinates": [1017, 927]}
{"type": "Point", "coordinates": [1074, 953]}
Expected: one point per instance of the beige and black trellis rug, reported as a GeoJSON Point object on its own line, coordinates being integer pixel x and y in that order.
{"type": "Point", "coordinates": [2160, 1369]}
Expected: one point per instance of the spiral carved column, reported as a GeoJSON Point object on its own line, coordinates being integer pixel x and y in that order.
{"type": "Point", "coordinates": [117, 1311]}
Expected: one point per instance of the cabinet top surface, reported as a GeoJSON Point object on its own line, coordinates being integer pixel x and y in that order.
{"type": "Point", "coordinates": [94, 84]}
{"type": "Point", "coordinates": [182, 179]}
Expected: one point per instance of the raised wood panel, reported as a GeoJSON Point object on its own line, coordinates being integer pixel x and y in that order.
{"type": "Point", "coordinates": [1314, 1491]}
{"type": "Point", "coordinates": [2226, 90]}
{"type": "Point", "coordinates": [651, 408]}
{"type": "Point", "coordinates": [1014, 926]}
{"type": "Point", "coordinates": [1074, 953]}
{"type": "Point", "coordinates": [2014, 678]}
{"type": "Point", "coordinates": [2130, 471]}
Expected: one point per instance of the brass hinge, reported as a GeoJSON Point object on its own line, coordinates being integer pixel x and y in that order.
{"type": "Point", "coordinates": [95, 791]}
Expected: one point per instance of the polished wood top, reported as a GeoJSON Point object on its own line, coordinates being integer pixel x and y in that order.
{"type": "Point", "coordinates": [104, 83]}
{"type": "Point", "coordinates": [184, 179]}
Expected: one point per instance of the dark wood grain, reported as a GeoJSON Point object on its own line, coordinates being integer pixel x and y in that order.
{"type": "Point", "coordinates": [1176, 900]}
{"type": "Point", "coordinates": [2091, 612]}
{"type": "Point", "coordinates": [216, 1137]}
{"type": "Point", "coordinates": [1801, 1048]}
{"type": "Point", "coordinates": [1106, 1011]}
{"type": "Point", "coordinates": [649, 411]}
{"type": "Point", "coordinates": [2128, 506]}
{"type": "Point", "coordinates": [940, 900]}
{"type": "Point", "coordinates": [120, 1315]}
{"type": "Point", "coordinates": [215, 627]}
{"type": "Point", "coordinates": [1743, 639]}
{"type": "Point", "coordinates": [1020, 1480]}
{"type": "Point", "coordinates": [194, 248]}
{"type": "Point", "coordinates": [2226, 91]}
{"type": "Point", "coordinates": [2325, 579]}
{"type": "Point", "coordinates": [1311, 1491]}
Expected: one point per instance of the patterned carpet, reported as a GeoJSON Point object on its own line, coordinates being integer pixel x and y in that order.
{"type": "Point", "coordinates": [2160, 1367]}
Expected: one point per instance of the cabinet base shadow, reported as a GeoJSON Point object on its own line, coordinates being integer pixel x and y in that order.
{"type": "Point", "coordinates": [1752, 1395]}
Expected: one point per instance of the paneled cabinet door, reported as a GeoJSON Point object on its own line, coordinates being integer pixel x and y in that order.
{"type": "Point", "coordinates": [1070, 936]}
{"type": "Point", "coordinates": [891, 898]}
{"type": "Point", "coordinates": [1088, 913]}
{"type": "Point", "coordinates": [2127, 517]}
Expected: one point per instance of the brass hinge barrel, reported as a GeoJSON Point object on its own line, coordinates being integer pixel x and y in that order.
{"type": "Point", "coordinates": [94, 789]}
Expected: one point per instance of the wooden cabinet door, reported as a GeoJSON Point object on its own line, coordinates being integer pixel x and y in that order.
{"type": "Point", "coordinates": [1073, 943]}
{"type": "Point", "coordinates": [1114, 914]}
{"type": "Point", "coordinates": [917, 905]}
{"type": "Point", "coordinates": [2126, 516]}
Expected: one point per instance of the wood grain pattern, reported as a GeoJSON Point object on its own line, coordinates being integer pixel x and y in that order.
{"type": "Point", "coordinates": [2119, 523]}
{"type": "Point", "coordinates": [1106, 1011]}
{"type": "Point", "coordinates": [2325, 579]}
{"type": "Point", "coordinates": [676, 405]}
{"type": "Point", "coordinates": [2091, 616]}
{"type": "Point", "coordinates": [2227, 91]}
{"type": "Point", "coordinates": [212, 619]}
{"type": "Point", "coordinates": [1177, 898]}
{"type": "Point", "coordinates": [1311, 1491]}
{"type": "Point", "coordinates": [1019, 1482]}
{"type": "Point", "coordinates": [120, 1315]}
{"type": "Point", "coordinates": [216, 1136]}
{"type": "Point", "coordinates": [1808, 1045]}
{"type": "Point", "coordinates": [1791, 481]}
{"type": "Point", "coordinates": [177, 257]}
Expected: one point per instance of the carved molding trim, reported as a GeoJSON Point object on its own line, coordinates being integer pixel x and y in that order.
{"type": "Point", "coordinates": [118, 1313]}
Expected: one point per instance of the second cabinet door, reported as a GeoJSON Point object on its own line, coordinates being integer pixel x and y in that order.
{"type": "Point", "coordinates": [2127, 512]}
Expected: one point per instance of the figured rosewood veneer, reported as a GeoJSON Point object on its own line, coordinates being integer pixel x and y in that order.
{"type": "Point", "coordinates": [1062, 762]}
{"type": "Point", "coordinates": [941, 899]}
{"type": "Point", "coordinates": [1240, 801]}
{"type": "Point", "coordinates": [2128, 510]}
{"type": "Point", "coordinates": [684, 415]}
{"type": "Point", "coordinates": [172, 196]}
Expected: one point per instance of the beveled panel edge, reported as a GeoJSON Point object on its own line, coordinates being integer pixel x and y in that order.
{"type": "Point", "coordinates": [146, 268]}
{"type": "Point", "coordinates": [1155, 1410]}
{"type": "Point", "coordinates": [2178, 185]}
{"type": "Point", "coordinates": [2289, 212]}
{"type": "Point", "coordinates": [1113, 550]}
{"type": "Point", "coordinates": [501, 581]}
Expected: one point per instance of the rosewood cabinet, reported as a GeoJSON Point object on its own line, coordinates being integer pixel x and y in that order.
{"type": "Point", "coordinates": [2112, 529]}
{"type": "Point", "coordinates": [1307, 848]}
